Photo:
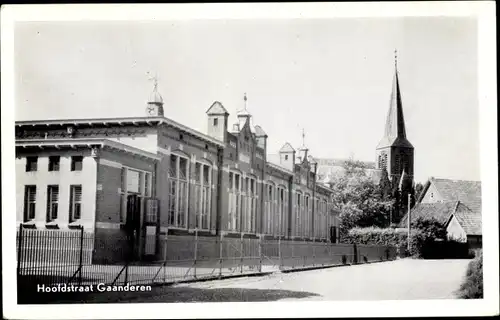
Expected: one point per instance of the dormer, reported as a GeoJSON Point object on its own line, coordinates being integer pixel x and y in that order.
{"type": "Point", "coordinates": [217, 121]}
{"type": "Point", "coordinates": [287, 156]}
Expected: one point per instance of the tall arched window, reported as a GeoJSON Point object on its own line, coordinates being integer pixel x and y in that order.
{"type": "Point", "coordinates": [249, 204]}
{"type": "Point", "coordinates": [234, 201]}
{"type": "Point", "coordinates": [307, 217]}
{"type": "Point", "coordinates": [202, 192]}
{"type": "Point", "coordinates": [298, 213]}
{"type": "Point", "coordinates": [178, 180]}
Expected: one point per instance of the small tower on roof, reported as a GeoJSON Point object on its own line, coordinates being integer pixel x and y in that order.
{"type": "Point", "coordinates": [217, 121]}
{"type": "Point", "coordinates": [394, 151]}
{"type": "Point", "coordinates": [303, 150]}
{"type": "Point", "coordinates": [243, 116]}
{"type": "Point", "coordinates": [154, 106]}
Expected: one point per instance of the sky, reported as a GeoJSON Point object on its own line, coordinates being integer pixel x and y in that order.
{"type": "Point", "coordinates": [330, 77]}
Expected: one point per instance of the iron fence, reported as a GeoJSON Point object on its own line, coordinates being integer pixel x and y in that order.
{"type": "Point", "coordinates": [56, 257]}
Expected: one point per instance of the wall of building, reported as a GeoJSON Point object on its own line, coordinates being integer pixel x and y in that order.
{"type": "Point", "coordinates": [63, 178]}
{"type": "Point", "coordinates": [147, 141]}
{"type": "Point", "coordinates": [455, 231]}
{"type": "Point", "coordinates": [431, 195]}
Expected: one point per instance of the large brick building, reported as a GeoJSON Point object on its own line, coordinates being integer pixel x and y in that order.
{"type": "Point", "coordinates": [144, 178]}
{"type": "Point", "coordinates": [151, 176]}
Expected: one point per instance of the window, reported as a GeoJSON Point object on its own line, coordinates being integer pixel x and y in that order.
{"type": "Point", "coordinates": [52, 202]}
{"type": "Point", "coordinates": [202, 191]}
{"type": "Point", "coordinates": [181, 136]}
{"type": "Point", "coordinates": [397, 165]}
{"type": "Point", "coordinates": [216, 122]}
{"type": "Point", "coordinates": [54, 163]}
{"type": "Point", "coordinates": [178, 173]}
{"type": "Point", "coordinates": [306, 218]}
{"type": "Point", "coordinates": [286, 157]}
{"type": "Point", "coordinates": [29, 203]}
{"type": "Point", "coordinates": [133, 182]}
{"type": "Point", "coordinates": [31, 164]}
{"type": "Point", "coordinates": [235, 198]}
{"type": "Point", "coordinates": [76, 163]}
{"type": "Point", "coordinates": [75, 203]}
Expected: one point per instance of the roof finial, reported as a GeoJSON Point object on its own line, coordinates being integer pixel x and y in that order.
{"type": "Point", "coordinates": [155, 81]}
{"type": "Point", "coordinates": [245, 99]}
{"type": "Point", "coordinates": [396, 58]}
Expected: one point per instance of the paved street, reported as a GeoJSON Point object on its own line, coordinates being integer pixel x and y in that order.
{"type": "Point", "coordinates": [405, 279]}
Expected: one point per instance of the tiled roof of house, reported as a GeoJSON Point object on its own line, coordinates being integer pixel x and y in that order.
{"type": "Point", "coordinates": [469, 221]}
{"type": "Point", "coordinates": [467, 192]}
{"type": "Point", "coordinates": [441, 211]}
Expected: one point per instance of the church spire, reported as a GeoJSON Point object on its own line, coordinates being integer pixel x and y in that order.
{"type": "Point", "coordinates": [395, 128]}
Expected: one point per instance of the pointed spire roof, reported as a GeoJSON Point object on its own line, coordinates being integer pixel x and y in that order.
{"type": "Point", "coordinates": [155, 96]}
{"type": "Point", "coordinates": [217, 108]}
{"type": "Point", "coordinates": [395, 130]}
{"type": "Point", "coordinates": [287, 147]}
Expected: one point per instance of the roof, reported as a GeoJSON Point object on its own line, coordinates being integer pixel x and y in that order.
{"type": "Point", "coordinates": [217, 108]}
{"type": "Point", "coordinates": [469, 221]}
{"type": "Point", "coordinates": [155, 97]}
{"type": "Point", "coordinates": [86, 142]}
{"type": "Point", "coordinates": [444, 211]}
{"type": "Point", "coordinates": [287, 147]}
{"type": "Point", "coordinates": [441, 211]}
{"type": "Point", "coordinates": [280, 168]}
{"type": "Point", "coordinates": [273, 158]}
{"type": "Point", "coordinates": [341, 162]}
{"type": "Point", "coordinates": [259, 132]}
{"type": "Point", "coordinates": [120, 121]}
{"type": "Point", "coordinates": [465, 191]}
{"type": "Point", "coordinates": [395, 131]}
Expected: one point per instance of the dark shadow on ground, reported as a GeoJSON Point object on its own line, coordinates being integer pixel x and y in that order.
{"type": "Point", "coordinates": [166, 294]}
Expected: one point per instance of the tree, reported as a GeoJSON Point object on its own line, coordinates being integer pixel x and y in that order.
{"type": "Point", "coordinates": [359, 199]}
{"type": "Point", "coordinates": [418, 190]}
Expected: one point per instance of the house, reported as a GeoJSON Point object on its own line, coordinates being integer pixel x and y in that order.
{"type": "Point", "coordinates": [456, 203]}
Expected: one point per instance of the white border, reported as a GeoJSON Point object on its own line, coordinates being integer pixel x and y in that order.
{"type": "Point", "coordinates": [484, 11]}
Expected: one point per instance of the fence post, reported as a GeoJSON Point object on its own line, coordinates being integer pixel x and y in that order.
{"type": "Point", "coordinates": [195, 250]}
{"type": "Point", "coordinates": [241, 253]}
{"type": "Point", "coordinates": [81, 257]}
{"type": "Point", "coordinates": [280, 263]}
{"type": "Point", "coordinates": [220, 255]}
{"type": "Point", "coordinates": [165, 256]}
{"type": "Point", "coordinates": [260, 253]}
{"type": "Point", "coordinates": [20, 249]}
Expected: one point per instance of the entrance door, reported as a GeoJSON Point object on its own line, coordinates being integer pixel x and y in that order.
{"type": "Point", "coordinates": [150, 228]}
{"type": "Point", "coordinates": [133, 224]}
{"type": "Point", "coordinates": [333, 234]}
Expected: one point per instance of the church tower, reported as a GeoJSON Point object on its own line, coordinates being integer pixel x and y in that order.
{"type": "Point", "coordinates": [394, 151]}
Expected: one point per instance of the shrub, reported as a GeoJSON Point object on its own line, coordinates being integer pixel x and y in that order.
{"type": "Point", "coordinates": [472, 287]}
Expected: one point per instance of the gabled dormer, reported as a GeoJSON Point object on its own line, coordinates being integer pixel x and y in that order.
{"type": "Point", "coordinates": [246, 143]}
{"type": "Point", "coordinates": [217, 117]}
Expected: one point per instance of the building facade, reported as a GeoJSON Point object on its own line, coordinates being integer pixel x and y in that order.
{"type": "Point", "coordinates": [148, 177]}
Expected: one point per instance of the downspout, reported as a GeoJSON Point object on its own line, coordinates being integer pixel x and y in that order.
{"type": "Point", "coordinates": [220, 159]}
{"type": "Point", "coordinates": [314, 201]}
{"type": "Point", "coordinates": [262, 187]}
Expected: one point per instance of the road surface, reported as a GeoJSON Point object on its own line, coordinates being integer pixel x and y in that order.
{"type": "Point", "coordinates": [405, 279]}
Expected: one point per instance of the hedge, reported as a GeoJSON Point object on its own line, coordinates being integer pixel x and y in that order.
{"type": "Point", "coordinates": [423, 244]}
{"type": "Point", "coordinates": [472, 287]}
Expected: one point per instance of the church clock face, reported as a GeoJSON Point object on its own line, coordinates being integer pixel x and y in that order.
{"type": "Point", "coordinates": [150, 110]}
